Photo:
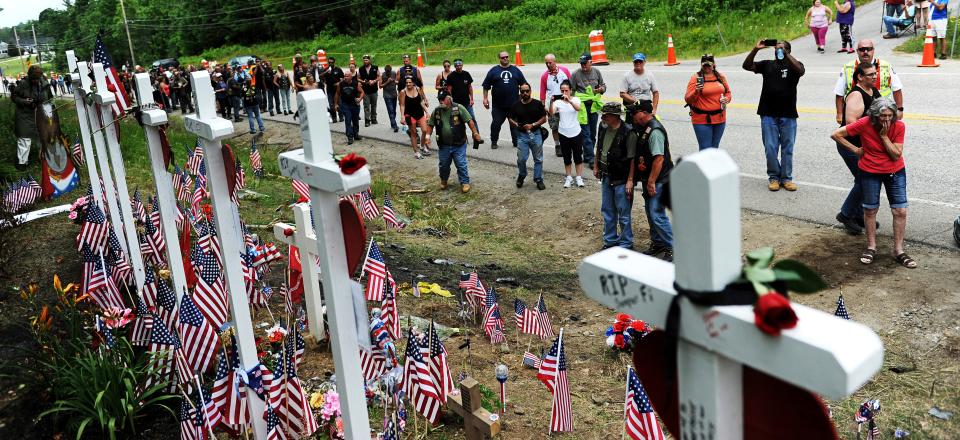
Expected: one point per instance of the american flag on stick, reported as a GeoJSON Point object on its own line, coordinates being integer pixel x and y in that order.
{"type": "Point", "coordinates": [296, 410]}
{"type": "Point", "coordinates": [418, 383]}
{"type": "Point", "coordinates": [369, 208]}
{"type": "Point", "coordinates": [375, 267]}
{"type": "Point", "coordinates": [640, 420]}
{"type": "Point", "coordinates": [437, 357]}
{"type": "Point", "coordinates": [198, 338]}
{"type": "Point", "coordinates": [94, 230]}
{"type": "Point", "coordinates": [301, 189]}
{"type": "Point", "coordinates": [195, 158]}
{"type": "Point", "coordinates": [390, 215]}
{"type": "Point", "coordinates": [390, 312]}
{"type": "Point", "coordinates": [78, 152]}
{"type": "Point", "coordinates": [255, 162]}
{"type": "Point", "coordinates": [229, 392]}
{"type": "Point", "coordinates": [546, 327]}
{"type": "Point", "coordinates": [100, 55]}
{"type": "Point", "coordinates": [531, 360]}
{"type": "Point", "coordinates": [553, 374]}
{"type": "Point", "coordinates": [372, 363]}
{"type": "Point", "coordinates": [841, 308]}
{"type": "Point", "coordinates": [188, 421]}
{"type": "Point", "coordinates": [162, 345]}
{"type": "Point", "coordinates": [210, 295]}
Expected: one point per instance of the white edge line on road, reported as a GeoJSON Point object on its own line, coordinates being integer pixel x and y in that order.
{"type": "Point", "coordinates": [837, 188]}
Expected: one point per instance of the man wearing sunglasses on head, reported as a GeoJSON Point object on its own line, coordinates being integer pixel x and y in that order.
{"type": "Point", "coordinates": [887, 82]}
{"type": "Point", "coordinates": [550, 90]}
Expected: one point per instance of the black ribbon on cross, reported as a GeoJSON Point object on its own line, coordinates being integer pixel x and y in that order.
{"type": "Point", "coordinates": [734, 294]}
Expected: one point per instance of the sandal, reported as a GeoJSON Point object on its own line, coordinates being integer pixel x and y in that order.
{"type": "Point", "coordinates": [904, 260]}
{"type": "Point", "coordinates": [867, 256]}
{"type": "Point", "coordinates": [418, 156]}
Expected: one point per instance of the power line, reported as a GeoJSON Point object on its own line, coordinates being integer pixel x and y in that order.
{"type": "Point", "coordinates": [340, 4]}
{"type": "Point", "coordinates": [210, 14]}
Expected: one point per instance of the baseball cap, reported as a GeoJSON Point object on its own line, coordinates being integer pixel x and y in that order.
{"type": "Point", "coordinates": [458, 62]}
{"type": "Point", "coordinates": [441, 95]}
{"type": "Point", "coordinates": [641, 106]}
{"type": "Point", "coordinates": [639, 56]}
{"type": "Point", "coordinates": [366, 57]}
{"type": "Point", "coordinates": [584, 58]}
{"type": "Point", "coordinates": [406, 56]}
{"type": "Point", "coordinates": [707, 58]}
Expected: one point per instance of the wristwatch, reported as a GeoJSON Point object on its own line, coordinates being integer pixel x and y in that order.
{"type": "Point", "coordinates": [900, 108]}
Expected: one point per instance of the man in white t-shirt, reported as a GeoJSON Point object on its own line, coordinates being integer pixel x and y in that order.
{"type": "Point", "coordinates": [549, 90]}
{"type": "Point", "coordinates": [638, 84]}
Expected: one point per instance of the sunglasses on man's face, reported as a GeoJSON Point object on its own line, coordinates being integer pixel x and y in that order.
{"type": "Point", "coordinates": [865, 49]}
{"type": "Point", "coordinates": [524, 92]}
{"type": "Point", "coordinates": [504, 57]}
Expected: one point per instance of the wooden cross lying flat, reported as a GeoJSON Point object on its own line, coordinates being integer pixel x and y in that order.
{"type": "Point", "coordinates": [823, 354]}
{"type": "Point", "coordinates": [478, 423]}
{"type": "Point", "coordinates": [306, 242]}
{"type": "Point", "coordinates": [211, 129]}
{"type": "Point", "coordinates": [314, 165]}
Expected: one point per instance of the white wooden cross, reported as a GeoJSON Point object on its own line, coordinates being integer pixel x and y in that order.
{"type": "Point", "coordinates": [305, 240]}
{"type": "Point", "coordinates": [92, 118]}
{"type": "Point", "coordinates": [211, 129]}
{"type": "Point", "coordinates": [315, 166]}
{"type": "Point", "coordinates": [84, 123]}
{"type": "Point", "coordinates": [153, 119]}
{"type": "Point", "coordinates": [823, 354]}
{"type": "Point", "coordinates": [108, 131]}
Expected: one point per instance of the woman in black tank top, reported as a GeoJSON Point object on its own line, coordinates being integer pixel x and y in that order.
{"type": "Point", "coordinates": [856, 103]}
{"type": "Point", "coordinates": [413, 107]}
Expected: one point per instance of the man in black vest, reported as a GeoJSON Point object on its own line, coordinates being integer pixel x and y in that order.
{"type": "Point", "coordinates": [614, 166]}
{"type": "Point", "coordinates": [347, 103]}
{"type": "Point", "coordinates": [653, 166]}
{"type": "Point", "coordinates": [451, 120]}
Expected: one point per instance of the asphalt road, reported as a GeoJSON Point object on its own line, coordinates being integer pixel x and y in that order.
{"type": "Point", "coordinates": [931, 100]}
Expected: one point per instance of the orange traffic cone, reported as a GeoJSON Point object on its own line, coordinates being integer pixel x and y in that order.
{"type": "Point", "coordinates": [598, 51]}
{"type": "Point", "coordinates": [671, 54]}
{"type": "Point", "coordinates": [929, 49]}
{"type": "Point", "coordinates": [516, 59]}
{"type": "Point", "coordinates": [419, 58]}
{"type": "Point", "coordinates": [322, 58]}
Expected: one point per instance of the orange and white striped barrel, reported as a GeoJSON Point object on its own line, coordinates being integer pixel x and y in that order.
{"type": "Point", "coordinates": [322, 58]}
{"type": "Point", "coordinates": [598, 51]}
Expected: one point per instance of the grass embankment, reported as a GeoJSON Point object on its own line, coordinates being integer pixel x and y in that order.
{"type": "Point", "coordinates": [915, 44]}
{"type": "Point", "coordinates": [543, 26]}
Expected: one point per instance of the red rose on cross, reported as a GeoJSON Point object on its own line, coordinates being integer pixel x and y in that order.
{"type": "Point", "coordinates": [772, 313]}
{"type": "Point", "coordinates": [351, 163]}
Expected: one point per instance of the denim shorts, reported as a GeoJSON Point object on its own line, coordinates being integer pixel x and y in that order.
{"type": "Point", "coordinates": [895, 184]}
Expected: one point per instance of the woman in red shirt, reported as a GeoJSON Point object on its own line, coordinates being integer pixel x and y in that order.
{"type": "Point", "coordinates": [708, 94]}
{"type": "Point", "coordinates": [881, 164]}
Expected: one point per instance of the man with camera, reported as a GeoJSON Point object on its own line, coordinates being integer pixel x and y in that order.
{"type": "Point", "coordinates": [30, 93]}
{"type": "Point", "coordinates": [777, 109]}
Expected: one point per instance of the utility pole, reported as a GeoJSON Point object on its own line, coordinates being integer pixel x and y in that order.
{"type": "Point", "coordinates": [36, 45]}
{"type": "Point", "coordinates": [123, 10]}
{"type": "Point", "coordinates": [19, 51]}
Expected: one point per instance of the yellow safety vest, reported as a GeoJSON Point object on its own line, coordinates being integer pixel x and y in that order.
{"type": "Point", "coordinates": [884, 77]}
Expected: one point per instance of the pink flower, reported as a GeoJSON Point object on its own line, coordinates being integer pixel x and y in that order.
{"type": "Point", "coordinates": [72, 215]}
{"type": "Point", "coordinates": [115, 317]}
{"type": "Point", "coordinates": [331, 405]}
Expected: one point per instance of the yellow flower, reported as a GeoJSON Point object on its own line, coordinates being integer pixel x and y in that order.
{"type": "Point", "coordinates": [56, 283]}
{"type": "Point", "coordinates": [164, 274]}
{"type": "Point", "coordinates": [316, 400]}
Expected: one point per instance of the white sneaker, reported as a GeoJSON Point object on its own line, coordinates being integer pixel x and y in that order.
{"type": "Point", "coordinates": [579, 182]}
{"type": "Point", "coordinates": [567, 182]}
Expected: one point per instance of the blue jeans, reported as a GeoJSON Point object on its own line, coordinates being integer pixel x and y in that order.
{"type": "Point", "coordinates": [391, 110]}
{"type": "Point", "coordinates": [661, 234]}
{"type": "Point", "coordinates": [779, 135]}
{"type": "Point", "coordinates": [853, 205]}
{"type": "Point", "coordinates": [351, 118]}
{"type": "Point", "coordinates": [708, 135]}
{"type": "Point", "coordinates": [615, 208]}
{"type": "Point", "coordinates": [892, 10]}
{"type": "Point", "coordinates": [499, 117]}
{"type": "Point", "coordinates": [237, 104]}
{"type": "Point", "coordinates": [589, 132]}
{"type": "Point", "coordinates": [457, 155]}
{"type": "Point", "coordinates": [895, 184]}
{"type": "Point", "coordinates": [527, 142]}
{"type": "Point", "coordinates": [285, 99]}
{"type": "Point", "coordinates": [891, 24]}
{"type": "Point", "coordinates": [273, 100]}
{"type": "Point", "coordinates": [253, 112]}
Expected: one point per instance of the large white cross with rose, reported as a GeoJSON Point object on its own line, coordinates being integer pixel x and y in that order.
{"type": "Point", "coordinates": [823, 354]}
{"type": "Point", "coordinates": [315, 166]}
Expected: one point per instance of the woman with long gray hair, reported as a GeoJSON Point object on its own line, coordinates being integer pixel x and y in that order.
{"type": "Point", "coordinates": [881, 164]}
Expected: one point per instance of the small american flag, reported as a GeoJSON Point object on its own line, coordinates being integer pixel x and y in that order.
{"type": "Point", "coordinates": [183, 191]}
{"type": "Point", "coordinates": [142, 325]}
{"type": "Point", "coordinates": [162, 345]}
{"type": "Point", "coordinates": [375, 267]}
{"type": "Point", "coordinates": [255, 163]}
{"type": "Point", "coordinates": [493, 325]}
{"type": "Point", "coordinates": [389, 215]}
{"type": "Point", "coordinates": [546, 327]}
{"type": "Point", "coordinates": [94, 230]}
{"type": "Point", "coordinates": [106, 332]}
{"type": "Point", "coordinates": [553, 374]}
{"type": "Point", "coordinates": [296, 410]}
{"type": "Point", "coordinates": [370, 210]}
{"type": "Point", "coordinates": [841, 308]}
{"type": "Point", "coordinates": [390, 312]}
{"type": "Point", "coordinates": [641, 421]}
{"type": "Point", "coordinates": [210, 295]}
{"type": "Point", "coordinates": [531, 360]}
{"type": "Point", "coordinates": [475, 293]}
{"type": "Point", "coordinates": [301, 189]}
{"type": "Point", "coordinates": [188, 417]}
{"type": "Point", "coordinates": [525, 318]}
{"type": "Point", "coordinates": [78, 152]}
{"type": "Point", "coordinates": [229, 392]}
{"type": "Point", "coordinates": [139, 212]}
{"type": "Point", "coordinates": [437, 357]}
{"type": "Point", "coordinates": [274, 430]}
{"type": "Point", "coordinates": [195, 158]}
{"type": "Point", "coordinates": [100, 55]}
{"type": "Point", "coordinates": [199, 338]}
{"type": "Point", "coordinates": [372, 363]}
{"type": "Point", "coordinates": [418, 383]}
{"type": "Point", "coordinates": [210, 417]}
